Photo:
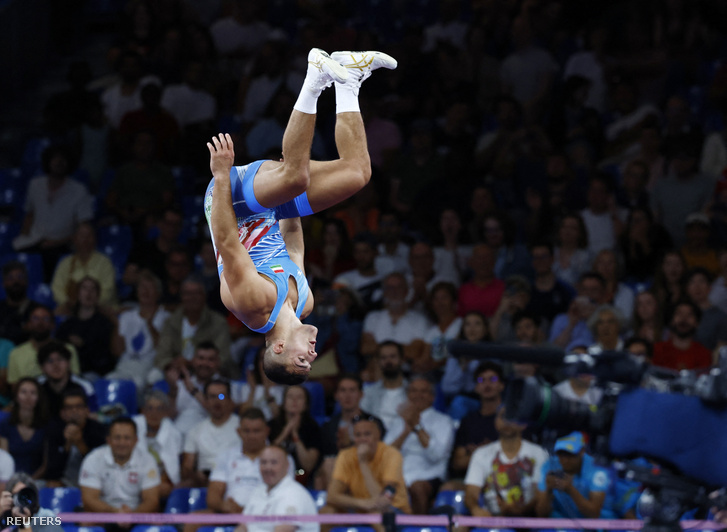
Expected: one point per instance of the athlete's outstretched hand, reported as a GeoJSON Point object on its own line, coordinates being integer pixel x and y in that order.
{"type": "Point", "coordinates": [222, 154]}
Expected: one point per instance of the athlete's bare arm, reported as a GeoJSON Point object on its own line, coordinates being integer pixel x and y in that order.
{"type": "Point", "coordinates": [244, 292]}
{"type": "Point", "coordinates": [292, 232]}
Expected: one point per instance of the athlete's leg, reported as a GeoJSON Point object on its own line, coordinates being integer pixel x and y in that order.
{"type": "Point", "coordinates": [278, 182]}
{"type": "Point", "coordinates": [333, 181]}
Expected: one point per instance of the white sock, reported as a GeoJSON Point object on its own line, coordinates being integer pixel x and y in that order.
{"type": "Point", "coordinates": [346, 99]}
{"type": "Point", "coordinates": [308, 98]}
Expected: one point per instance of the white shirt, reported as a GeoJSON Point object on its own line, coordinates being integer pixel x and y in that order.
{"type": "Point", "coordinates": [119, 484]}
{"type": "Point", "coordinates": [167, 444]}
{"type": "Point", "coordinates": [138, 340]}
{"type": "Point", "coordinates": [399, 260]}
{"type": "Point", "coordinates": [452, 262]}
{"type": "Point", "coordinates": [421, 463]}
{"type": "Point", "coordinates": [489, 461]}
{"type": "Point", "coordinates": [208, 440]}
{"type": "Point", "coordinates": [409, 327]}
{"type": "Point", "coordinates": [383, 402]}
{"type": "Point", "coordinates": [190, 411]}
{"type": "Point", "coordinates": [188, 105]}
{"type": "Point", "coordinates": [438, 339]}
{"type": "Point", "coordinates": [7, 466]}
{"type": "Point", "coordinates": [287, 497]}
{"type": "Point", "coordinates": [591, 397]}
{"type": "Point", "coordinates": [56, 219]}
{"type": "Point", "coordinates": [601, 234]}
{"type": "Point", "coordinates": [241, 474]}
{"type": "Point", "coordinates": [241, 392]}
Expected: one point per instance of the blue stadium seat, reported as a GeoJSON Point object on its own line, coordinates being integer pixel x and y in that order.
{"type": "Point", "coordinates": [352, 529]}
{"type": "Point", "coordinates": [42, 293]}
{"type": "Point", "coordinates": [424, 529]}
{"type": "Point", "coordinates": [8, 231]}
{"type": "Point", "coordinates": [197, 499]}
{"type": "Point", "coordinates": [115, 242]}
{"type": "Point", "coordinates": [317, 399]}
{"type": "Point", "coordinates": [319, 496]}
{"type": "Point", "coordinates": [178, 501]}
{"type": "Point", "coordinates": [440, 400]}
{"type": "Point", "coordinates": [216, 529]}
{"type": "Point", "coordinates": [162, 386]}
{"type": "Point", "coordinates": [492, 530]}
{"type": "Point", "coordinates": [453, 498]}
{"type": "Point", "coordinates": [60, 499]}
{"type": "Point", "coordinates": [33, 262]}
{"type": "Point", "coordinates": [154, 528]}
{"type": "Point", "coordinates": [116, 397]}
{"type": "Point", "coordinates": [12, 194]}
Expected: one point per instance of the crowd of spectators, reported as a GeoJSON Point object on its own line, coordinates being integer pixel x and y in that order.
{"type": "Point", "coordinates": [545, 173]}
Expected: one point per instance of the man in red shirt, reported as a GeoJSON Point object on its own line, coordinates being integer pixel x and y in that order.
{"type": "Point", "coordinates": [483, 292]}
{"type": "Point", "coordinates": [681, 351]}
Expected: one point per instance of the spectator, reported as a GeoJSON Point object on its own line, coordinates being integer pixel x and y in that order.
{"type": "Point", "coordinates": [580, 388]}
{"type": "Point", "coordinates": [549, 295]}
{"type": "Point", "coordinates": [712, 329]}
{"type": "Point", "coordinates": [506, 472]}
{"type": "Point", "coordinates": [571, 328]}
{"type": "Point", "coordinates": [206, 441]}
{"type": "Point", "coordinates": [237, 472]}
{"type": "Point", "coordinates": [607, 325]}
{"type": "Point", "coordinates": [141, 187]}
{"type": "Point", "coordinates": [192, 323]}
{"type": "Point", "coordinates": [368, 475]}
{"type": "Point", "coordinates": [669, 280]}
{"type": "Point", "coordinates": [515, 299]}
{"type": "Point", "coordinates": [278, 496]}
{"type": "Point", "coordinates": [632, 193]}
{"type": "Point", "coordinates": [483, 292]}
{"type": "Point", "coordinates": [14, 485]}
{"type": "Point", "coordinates": [92, 332]}
{"type": "Point", "coordinates": [571, 254]}
{"type": "Point", "coordinates": [602, 217]}
{"type": "Point", "coordinates": [334, 256]}
{"type": "Point", "coordinates": [452, 254]}
{"type": "Point", "coordinates": [152, 254]}
{"type": "Point", "coordinates": [393, 254]}
{"type": "Point", "coordinates": [682, 192]}
{"type": "Point", "coordinates": [54, 204]}
{"type": "Point", "coordinates": [477, 428]}
{"type": "Point", "coordinates": [510, 258]}
{"type": "Point", "coordinates": [16, 302]}
{"type": "Point", "coordinates": [23, 360]}
{"type": "Point", "coordinates": [459, 373]}
{"type": "Point", "coordinates": [54, 359]}
{"type": "Point", "coordinates": [189, 102]}
{"type": "Point", "coordinates": [572, 485]}
{"type": "Point", "coordinates": [717, 294]}
{"type": "Point", "coordinates": [618, 294]}
{"type": "Point", "coordinates": [295, 431]}
{"type": "Point", "coordinates": [160, 438]}
{"type": "Point", "coordinates": [23, 433]}
{"type": "Point", "coordinates": [84, 262]}
{"type": "Point", "coordinates": [139, 329]}
{"type": "Point", "coordinates": [628, 116]}
{"type": "Point", "coordinates": [642, 244]}
{"type": "Point", "coordinates": [7, 468]}
{"type": "Point", "coordinates": [424, 437]}
{"type": "Point", "coordinates": [337, 432]}
{"type": "Point", "coordinates": [178, 268]}
{"type": "Point", "coordinates": [442, 305]}
{"type": "Point", "coordinates": [186, 385]}
{"type": "Point", "coordinates": [365, 277]}
{"type": "Point", "coordinates": [125, 95]}
{"type": "Point", "coordinates": [648, 319]}
{"type": "Point", "coordinates": [395, 321]}
{"type": "Point", "coordinates": [422, 277]}
{"type": "Point", "coordinates": [697, 251]}
{"type": "Point", "coordinates": [70, 438]}
{"type": "Point", "coordinates": [383, 397]}
{"type": "Point", "coordinates": [682, 351]}
{"type": "Point", "coordinates": [119, 477]}
{"type": "Point", "coordinates": [258, 391]}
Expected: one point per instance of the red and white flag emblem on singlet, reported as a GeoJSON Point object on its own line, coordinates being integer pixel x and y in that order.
{"type": "Point", "coordinates": [277, 268]}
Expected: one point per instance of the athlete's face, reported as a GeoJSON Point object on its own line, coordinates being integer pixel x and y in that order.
{"type": "Point", "coordinates": [300, 349]}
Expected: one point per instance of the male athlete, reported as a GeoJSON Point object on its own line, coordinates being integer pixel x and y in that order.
{"type": "Point", "coordinates": [259, 206]}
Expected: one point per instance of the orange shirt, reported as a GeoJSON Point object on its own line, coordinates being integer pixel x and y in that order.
{"type": "Point", "coordinates": [386, 467]}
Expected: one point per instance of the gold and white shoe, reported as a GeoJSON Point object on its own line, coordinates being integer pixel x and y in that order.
{"type": "Point", "coordinates": [360, 65]}
{"type": "Point", "coordinates": [325, 71]}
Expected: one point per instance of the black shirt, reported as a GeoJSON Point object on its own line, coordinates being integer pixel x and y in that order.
{"type": "Point", "coordinates": [94, 434]}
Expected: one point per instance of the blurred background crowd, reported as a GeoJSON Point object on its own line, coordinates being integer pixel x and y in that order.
{"type": "Point", "coordinates": [544, 173]}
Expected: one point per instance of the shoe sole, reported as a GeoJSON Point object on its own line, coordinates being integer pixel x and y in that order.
{"type": "Point", "coordinates": [369, 60]}
{"type": "Point", "coordinates": [330, 66]}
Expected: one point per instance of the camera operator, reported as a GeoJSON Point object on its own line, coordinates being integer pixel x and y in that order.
{"type": "Point", "coordinates": [26, 505]}
{"type": "Point", "coordinates": [573, 486]}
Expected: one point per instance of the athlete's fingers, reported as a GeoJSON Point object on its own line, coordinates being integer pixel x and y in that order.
{"type": "Point", "coordinates": [216, 141]}
{"type": "Point", "coordinates": [211, 148]}
{"type": "Point", "coordinates": [229, 141]}
{"type": "Point", "coordinates": [223, 141]}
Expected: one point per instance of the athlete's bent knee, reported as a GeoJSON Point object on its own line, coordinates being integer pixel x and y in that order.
{"type": "Point", "coordinates": [296, 182]}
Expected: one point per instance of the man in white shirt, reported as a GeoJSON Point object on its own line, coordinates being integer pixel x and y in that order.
{"type": "Point", "coordinates": [209, 438]}
{"type": "Point", "coordinates": [507, 470]}
{"type": "Point", "coordinates": [159, 436]}
{"type": "Point", "coordinates": [382, 398]}
{"type": "Point", "coordinates": [119, 477]}
{"type": "Point", "coordinates": [280, 495]}
{"type": "Point", "coordinates": [424, 437]}
{"type": "Point", "coordinates": [365, 278]}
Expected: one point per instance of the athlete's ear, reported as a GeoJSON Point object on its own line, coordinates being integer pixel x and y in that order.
{"type": "Point", "coordinates": [278, 347]}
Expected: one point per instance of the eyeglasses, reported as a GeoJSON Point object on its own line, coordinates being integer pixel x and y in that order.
{"type": "Point", "coordinates": [493, 379]}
